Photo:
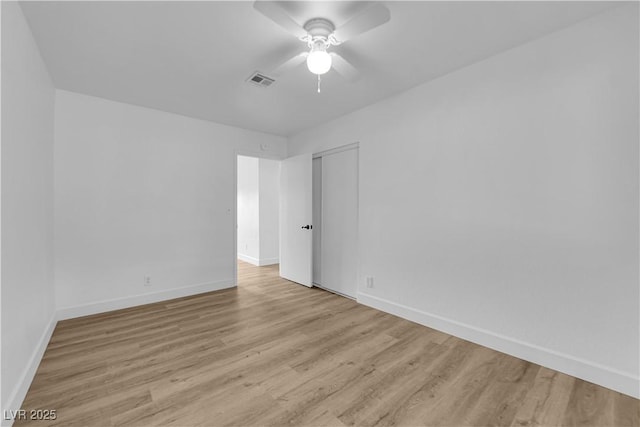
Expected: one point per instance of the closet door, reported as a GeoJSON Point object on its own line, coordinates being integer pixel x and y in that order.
{"type": "Point", "coordinates": [339, 231]}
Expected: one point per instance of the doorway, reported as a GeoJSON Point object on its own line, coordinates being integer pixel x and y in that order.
{"type": "Point", "coordinates": [257, 210]}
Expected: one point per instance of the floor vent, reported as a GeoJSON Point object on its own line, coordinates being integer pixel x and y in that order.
{"type": "Point", "coordinates": [260, 80]}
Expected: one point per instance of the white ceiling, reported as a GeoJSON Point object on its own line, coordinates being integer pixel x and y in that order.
{"type": "Point", "coordinates": [193, 58]}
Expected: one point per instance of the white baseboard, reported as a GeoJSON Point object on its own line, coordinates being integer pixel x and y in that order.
{"type": "Point", "coordinates": [249, 259]}
{"type": "Point", "coordinates": [258, 261]}
{"type": "Point", "coordinates": [126, 302]}
{"type": "Point", "coordinates": [605, 376]}
{"type": "Point", "coordinates": [14, 402]}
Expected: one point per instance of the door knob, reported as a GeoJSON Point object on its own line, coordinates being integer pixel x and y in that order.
{"type": "Point", "coordinates": [307, 227]}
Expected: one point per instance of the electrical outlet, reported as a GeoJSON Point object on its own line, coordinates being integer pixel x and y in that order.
{"type": "Point", "coordinates": [369, 282]}
{"type": "Point", "coordinates": [147, 280]}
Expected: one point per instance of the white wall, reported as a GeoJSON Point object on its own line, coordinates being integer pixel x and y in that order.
{"type": "Point", "coordinates": [27, 207]}
{"type": "Point", "coordinates": [258, 206]}
{"type": "Point", "coordinates": [269, 211]}
{"type": "Point", "coordinates": [139, 192]}
{"type": "Point", "coordinates": [500, 202]}
{"type": "Point", "coordinates": [248, 210]}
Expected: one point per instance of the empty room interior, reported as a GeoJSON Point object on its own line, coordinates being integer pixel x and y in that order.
{"type": "Point", "coordinates": [320, 213]}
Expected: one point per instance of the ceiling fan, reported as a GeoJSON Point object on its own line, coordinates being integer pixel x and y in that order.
{"type": "Point", "coordinates": [320, 34]}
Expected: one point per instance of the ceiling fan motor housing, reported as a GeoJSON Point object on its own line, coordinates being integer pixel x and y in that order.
{"type": "Point", "coordinates": [319, 27]}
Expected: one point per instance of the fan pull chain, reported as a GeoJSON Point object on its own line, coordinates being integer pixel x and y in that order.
{"type": "Point", "coordinates": [318, 83]}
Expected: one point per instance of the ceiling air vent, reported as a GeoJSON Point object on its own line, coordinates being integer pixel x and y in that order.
{"type": "Point", "coordinates": [260, 80]}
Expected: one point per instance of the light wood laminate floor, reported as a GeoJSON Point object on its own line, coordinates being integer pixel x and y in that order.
{"type": "Point", "coordinates": [271, 352]}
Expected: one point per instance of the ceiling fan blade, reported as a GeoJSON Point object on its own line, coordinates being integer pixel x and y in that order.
{"type": "Point", "coordinates": [373, 16]}
{"type": "Point", "coordinates": [289, 64]}
{"type": "Point", "coordinates": [273, 11]}
{"type": "Point", "coordinates": [344, 67]}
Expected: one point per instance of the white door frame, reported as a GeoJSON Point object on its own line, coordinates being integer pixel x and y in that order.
{"type": "Point", "coordinates": [336, 150]}
{"type": "Point", "coordinates": [246, 153]}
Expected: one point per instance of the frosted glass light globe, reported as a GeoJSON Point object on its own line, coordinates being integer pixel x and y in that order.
{"type": "Point", "coordinates": [319, 61]}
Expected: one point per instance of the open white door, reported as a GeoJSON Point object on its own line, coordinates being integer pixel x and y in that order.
{"type": "Point", "coordinates": [295, 219]}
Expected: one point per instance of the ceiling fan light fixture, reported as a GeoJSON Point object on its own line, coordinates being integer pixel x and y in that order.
{"type": "Point", "coordinates": [318, 61]}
